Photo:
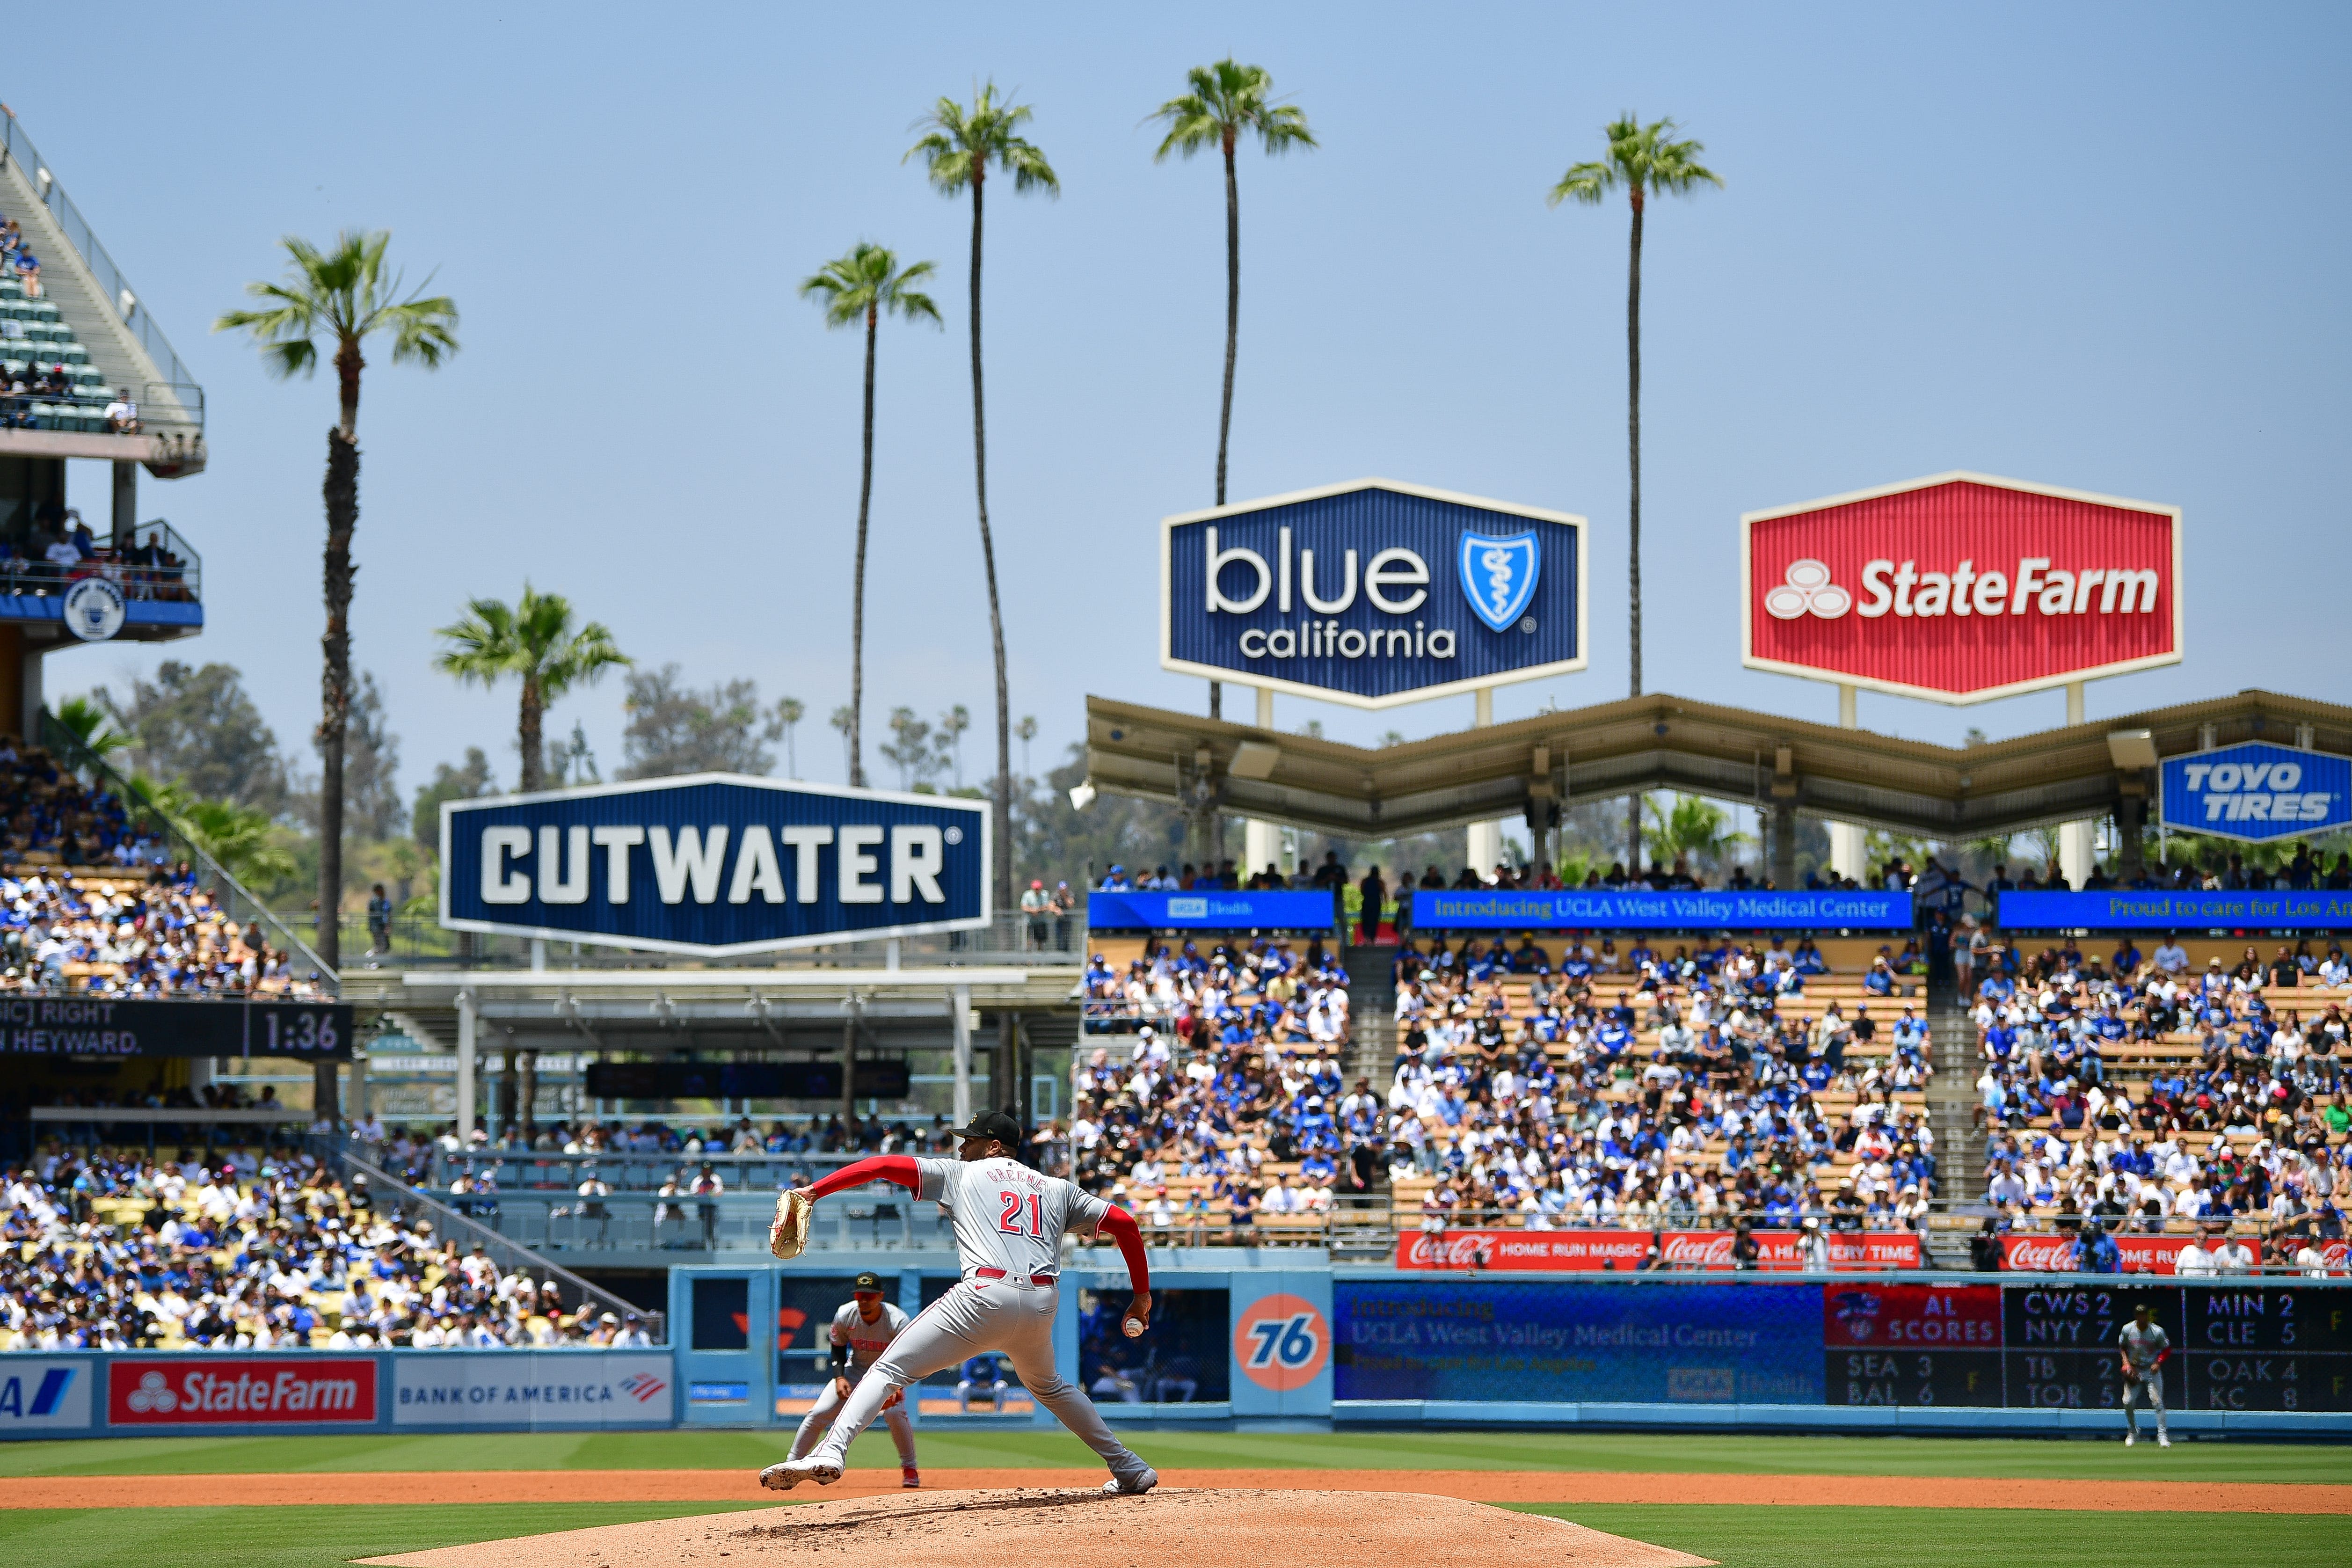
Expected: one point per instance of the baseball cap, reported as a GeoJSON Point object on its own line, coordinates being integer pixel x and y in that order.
{"type": "Point", "coordinates": [869, 1281]}
{"type": "Point", "coordinates": [995, 1124]}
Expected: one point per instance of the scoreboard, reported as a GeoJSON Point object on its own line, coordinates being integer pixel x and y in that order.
{"type": "Point", "coordinates": [2249, 1346]}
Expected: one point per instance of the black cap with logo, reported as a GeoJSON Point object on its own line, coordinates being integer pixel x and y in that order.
{"type": "Point", "coordinates": [869, 1281]}
{"type": "Point", "coordinates": [996, 1125]}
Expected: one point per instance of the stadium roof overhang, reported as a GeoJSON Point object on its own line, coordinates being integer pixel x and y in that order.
{"type": "Point", "coordinates": [1911, 787]}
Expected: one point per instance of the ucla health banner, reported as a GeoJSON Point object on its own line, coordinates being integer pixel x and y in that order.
{"type": "Point", "coordinates": [1495, 908]}
{"type": "Point", "coordinates": [1373, 592]}
{"type": "Point", "coordinates": [2172, 909]}
{"type": "Point", "coordinates": [2256, 792]}
{"type": "Point", "coordinates": [715, 863]}
{"type": "Point", "coordinates": [1211, 911]}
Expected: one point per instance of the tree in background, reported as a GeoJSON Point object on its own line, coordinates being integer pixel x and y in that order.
{"type": "Point", "coordinates": [237, 837]}
{"type": "Point", "coordinates": [371, 809]}
{"type": "Point", "coordinates": [840, 721]}
{"type": "Point", "coordinates": [949, 739]}
{"type": "Point", "coordinates": [469, 782]}
{"type": "Point", "coordinates": [1026, 731]}
{"type": "Point", "coordinates": [1694, 826]}
{"type": "Point", "coordinates": [1643, 160]}
{"type": "Point", "coordinates": [342, 294]}
{"type": "Point", "coordinates": [1227, 101]}
{"type": "Point", "coordinates": [673, 730]}
{"type": "Point", "coordinates": [790, 711]}
{"type": "Point", "coordinates": [92, 726]}
{"type": "Point", "coordinates": [864, 286]}
{"type": "Point", "coordinates": [957, 148]}
{"type": "Point", "coordinates": [908, 750]}
{"type": "Point", "coordinates": [198, 726]}
{"type": "Point", "coordinates": [536, 641]}
{"type": "Point", "coordinates": [572, 761]}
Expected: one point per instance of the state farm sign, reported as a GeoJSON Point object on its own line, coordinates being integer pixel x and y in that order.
{"type": "Point", "coordinates": [1961, 587]}
{"type": "Point", "coordinates": [211, 1391]}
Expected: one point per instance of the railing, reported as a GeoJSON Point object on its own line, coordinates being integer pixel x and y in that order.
{"type": "Point", "coordinates": [412, 1205]}
{"type": "Point", "coordinates": [517, 1170]}
{"type": "Point", "coordinates": [112, 286]}
{"type": "Point", "coordinates": [234, 900]}
{"type": "Point", "coordinates": [181, 584]}
{"type": "Point", "coordinates": [719, 1223]}
{"type": "Point", "coordinates": [419, 941]}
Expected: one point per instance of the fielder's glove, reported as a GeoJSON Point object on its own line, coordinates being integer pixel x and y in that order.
{"type": "Point", "coordinates": [788, 1235]}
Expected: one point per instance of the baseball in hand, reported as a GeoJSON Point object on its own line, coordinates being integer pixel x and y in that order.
{"type": "Point", "coordinates": [1134, 1327]}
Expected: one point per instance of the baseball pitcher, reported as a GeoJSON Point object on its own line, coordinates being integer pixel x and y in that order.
{"type": "Point", "coordinates": [2144, 1347]}
{"type": "Point", "coordinates": [1009, 1222]}
{"type": "Point", "coordinates": [861, 1330]}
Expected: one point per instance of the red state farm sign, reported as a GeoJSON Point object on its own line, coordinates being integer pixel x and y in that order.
{"type": "Point", "coordinates": [1961, 587]}
{"type": "Point", "coordinates": [211, 1391]}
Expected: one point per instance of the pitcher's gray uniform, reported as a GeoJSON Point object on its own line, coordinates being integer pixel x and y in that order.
{"type": "Point", "coordinates": [865, 1343]}
{"type": "Point", "coordinates": [2143, 1350]}
{"type": "Point", "coordinates": [1009, 1222]}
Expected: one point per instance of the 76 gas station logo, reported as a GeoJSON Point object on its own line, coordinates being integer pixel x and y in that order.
{"type": "Point", "coordinates": [1282, 1342]}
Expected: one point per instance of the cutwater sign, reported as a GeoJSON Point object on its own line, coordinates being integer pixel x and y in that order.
{"type": "Point", "coordinates": [1495, 908]}
{"type": "Point", "coordinates": [715, 864]}
{"type": "Point", "coordinates": [1373, 592]}
{"type": "Point", "coordinates": [2257, 791]}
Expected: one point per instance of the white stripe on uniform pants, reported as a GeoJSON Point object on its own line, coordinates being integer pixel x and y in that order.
{"type": "Point", "coordinates": [821, 1416]}
{"type": "Point", "coordinates": [975, 1317]}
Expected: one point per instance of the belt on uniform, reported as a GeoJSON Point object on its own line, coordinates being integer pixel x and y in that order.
{"type": "Point", "coordinates": [1015, 1279]}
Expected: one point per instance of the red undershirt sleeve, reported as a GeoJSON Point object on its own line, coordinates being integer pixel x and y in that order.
{"type": "Point", "coordinates": [1121, 1226]}
{"type": "Point", "coordinates": [897, 1168]}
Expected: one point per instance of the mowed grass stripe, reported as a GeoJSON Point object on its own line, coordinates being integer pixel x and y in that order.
{"type": "Point", "coordinates": [1969, 1538]}
{"type": "Point", "coordinates": [292, 1537]}
{"type": "Point", "coordinates": [1691, 1453]}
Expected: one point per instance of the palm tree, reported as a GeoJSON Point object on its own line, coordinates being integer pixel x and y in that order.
{"type": "Point", "coordinates": [1226, 101]}
{"type": "Point", "coordinates": [535, 641]}
{"type": "Point", "coordinates": [93, 726]}
{"type": "Point", "coordinates": [343, 295]}
{"type": "Point", "coordinates": [864, 286]}
{"type": "Point", "coordinates": [1643, 159]}
{"type": "Point", "coordinates": [958, 145]}
{"type": "Point", "coordinates": [790, 711]}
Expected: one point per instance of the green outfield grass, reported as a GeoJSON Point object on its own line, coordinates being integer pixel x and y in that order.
{"type": "Point", "coordinates": [1970, 1538]}
{"type": "Point", "coordinates": [292, 1536]}
{"type": "Point", "coordinates": [1696, 1454]}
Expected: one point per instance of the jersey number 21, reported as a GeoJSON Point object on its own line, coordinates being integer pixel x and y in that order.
{"type": "Point", "coordinates": [1009, 1222]}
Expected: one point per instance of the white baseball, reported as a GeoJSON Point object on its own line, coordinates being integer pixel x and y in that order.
{"type": "Point", "coordinates": [1134, 1327]}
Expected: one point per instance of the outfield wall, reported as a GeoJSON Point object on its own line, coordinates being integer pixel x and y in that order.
{"type": "Point", "coordinates": [1314, 1348]}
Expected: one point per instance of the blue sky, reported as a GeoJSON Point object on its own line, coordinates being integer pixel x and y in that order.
{"type": "Point", "coordinates": [2086, 245]}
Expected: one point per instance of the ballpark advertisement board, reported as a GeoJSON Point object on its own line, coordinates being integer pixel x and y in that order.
{"type": "Point", "coordinates": [2121, 909]}
{"type": "Point", "coordinates": [1211, 911]}
{"type": "Point", "coordinates": [1960, 587]}
{"type": "Point", "coordinates": [217, 1391]}
{"type": "Point", "coordinates": [535, 1389]}
{"type": "Point", "coordinates": [1494, 909]}
{"type": "Point", "coordinates": [2256, 792]}
{"type": "Point", "coordinates": [1578, 1250]}
{"type": "Point", "coordinates": [44, 1395]}
{"type": "Point", "coordinates": [1373, 592]}
{"type": "Point", "coordinates": [715, 864]}
{"type": "Point", "coordinates": [108, 1027]}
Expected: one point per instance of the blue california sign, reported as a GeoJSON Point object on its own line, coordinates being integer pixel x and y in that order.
{"type": "Point", "coordinates": [1373, 592]}
{"type": "Point", "coordinates": [2257, 791]}
{"type": "Point", "coordinates": [715, 864]}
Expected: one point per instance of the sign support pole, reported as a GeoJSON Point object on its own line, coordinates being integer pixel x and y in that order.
{"type": "Point", "coordinates": [1848, 841]}
{"type": "Point", "coordinates": [960, 1004]}
{"type": "Point", "coordinates": [2074, 837]}
{"type": "Point", "coordinates": [1485, 837]}
{"type": "Point", "coordinates": [1261, 841]}
{"type": "Point", "coordinates": [468, 1007]}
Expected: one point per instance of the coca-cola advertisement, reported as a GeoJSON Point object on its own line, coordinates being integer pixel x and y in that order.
{"type": "Point", "coordinates": [2055, 1253]}
{"type": "Point", "coordinates": [210, 1390]}
{"type": "Point", "coordinates": [1471, 1251]}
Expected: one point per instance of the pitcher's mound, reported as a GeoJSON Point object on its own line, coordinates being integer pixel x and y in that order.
{"type": "Point", "coordinates": [1079, 1529]}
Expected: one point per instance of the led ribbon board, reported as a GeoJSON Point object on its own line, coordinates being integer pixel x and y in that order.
{"type": "Point", "coordinates": [715, 864]}
{"type": "Point", "coordinates": [1373, 592]}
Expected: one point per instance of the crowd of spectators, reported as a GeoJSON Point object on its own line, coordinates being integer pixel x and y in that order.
{"type": "Point", "coordinates": [2127, 1092]}
{"type": "Point", "coordinates": [259, 1250]}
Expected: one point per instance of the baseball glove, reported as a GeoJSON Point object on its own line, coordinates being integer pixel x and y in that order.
{"type": "Point", "coordinates": [788, 1235]}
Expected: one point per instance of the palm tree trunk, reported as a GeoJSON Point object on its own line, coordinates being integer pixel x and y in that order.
{"type": "Point", "coordinates": [1232, 336]}
{"type": "Point", "coordinates": [530, 738]}
{"type": "Point", "coordinates": [342, 501]}
{"type": "Point", "coordinates": [1003, 804]}
{"type": "Point", "coordinates": [1634, 506]}
{"type": "Point", "coordinates": [858, 582]}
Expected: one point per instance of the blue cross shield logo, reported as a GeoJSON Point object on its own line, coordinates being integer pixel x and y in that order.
{"type": "Point", "coordinates": [1498, 574]}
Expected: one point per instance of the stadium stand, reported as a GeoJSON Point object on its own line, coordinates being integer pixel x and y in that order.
{"type": "Point", "coordinates": [261, 1251]}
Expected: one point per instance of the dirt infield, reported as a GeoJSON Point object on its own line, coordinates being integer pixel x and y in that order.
{"type": "Point", "coordinates": [1469, 1486]}
{"type": "Point", "coordinates": [1078, 1529]}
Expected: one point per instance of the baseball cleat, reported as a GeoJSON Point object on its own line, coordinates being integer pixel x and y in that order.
{"type": "Point", "coordinates": [2129, 1438]}
{"type": "Point", "coordinates": [1142, 1481]}
{"type": "Point", "coordinates": [909, 1477]}
{"type": "Point", "coordinates": [783, 1478]}
{"type": "Point", "coordinates": [2162, 1441]}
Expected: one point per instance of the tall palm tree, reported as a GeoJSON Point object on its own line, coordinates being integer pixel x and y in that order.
{"type": "Point", "coordinates": [864, 286]}
{"type": "Point", "coordinates": [1226, 101]}
{"type": "Point", "coordinates": [536, 641]}
{"type": "Point", "coordinates": [342, 295]}
{"type": "Point", "coordinates": [957, 147]}
{"type": "Point", "coordinates": [1643, 159]}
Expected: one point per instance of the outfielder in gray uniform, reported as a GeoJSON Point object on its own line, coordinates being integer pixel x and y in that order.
{"type": "Point", "coordinates": [1009, 1222]}
{"type": "Point", "coordinates": [2144, 1346]}
{"type": "Point", "coordinates": [861, 1330]}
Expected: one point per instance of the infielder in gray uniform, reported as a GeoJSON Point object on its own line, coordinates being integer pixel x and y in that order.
{"type": "Point", "coordinates": [1009, 1222]}
{"type": "Point", "coordinates": [2144, 1347]}
{"type": "Point", "coordinates": [861, 1330]}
